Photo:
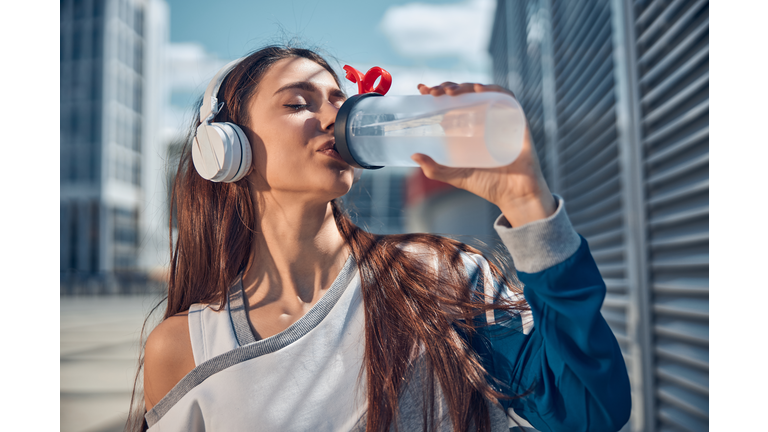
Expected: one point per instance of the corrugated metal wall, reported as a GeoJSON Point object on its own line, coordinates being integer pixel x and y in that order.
{"type": "Point", "coordinates": [672, 45]}
{"type": "Point", "coordinates": [519, 67]}
{"type": "Point", "coordinates": [617, 95]}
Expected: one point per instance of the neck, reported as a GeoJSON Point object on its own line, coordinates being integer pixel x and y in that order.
{"type": "Point", "coordinates": [297, 252]}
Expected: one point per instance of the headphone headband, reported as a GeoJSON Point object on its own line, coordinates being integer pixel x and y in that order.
{"type": "Point", "coordinates": [208, 111]}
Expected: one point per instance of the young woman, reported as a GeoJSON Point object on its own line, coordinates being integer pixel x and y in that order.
{"type": "Point", "coordinates": [282, 315]}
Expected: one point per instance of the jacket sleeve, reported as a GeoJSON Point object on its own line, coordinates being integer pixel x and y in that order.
{"type": "Point", "coordinates": [565, 372]}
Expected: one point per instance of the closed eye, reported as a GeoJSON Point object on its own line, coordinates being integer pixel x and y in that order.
{"type": "Point", "coordinates": [296, 107]}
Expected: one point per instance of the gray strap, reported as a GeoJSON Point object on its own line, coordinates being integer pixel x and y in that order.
{"type": "Point", "coordinates": [238, 314]}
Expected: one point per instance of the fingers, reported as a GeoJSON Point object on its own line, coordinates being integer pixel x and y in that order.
{"type": "Point", "coordinates": [493, 88]}
{"type": "Point", "coordinates": [435, 171]}
{"type": "Point", "coordinates": [430, 167]}
{"type": "Point", "coordinates": [457, 89]}
{"type": "Point", "coordinates": [452, 89]}
{"type": "Point", "coordinates": [438, 90]}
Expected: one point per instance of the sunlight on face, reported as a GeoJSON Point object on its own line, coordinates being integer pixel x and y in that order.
{"type": "Point", "coordinates": [292, 116]}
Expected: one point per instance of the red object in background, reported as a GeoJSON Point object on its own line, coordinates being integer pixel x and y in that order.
{"type": "Point", "coordinates": [418, 188]}
{"type": "Point", "coordinates": [365, 82]}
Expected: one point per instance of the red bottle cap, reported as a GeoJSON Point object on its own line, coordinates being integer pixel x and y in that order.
{"type": "Point", "coordinates": [365, 82]}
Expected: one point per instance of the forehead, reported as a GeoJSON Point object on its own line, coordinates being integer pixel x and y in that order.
{"type": "Point", "coordinates": [295, 69]}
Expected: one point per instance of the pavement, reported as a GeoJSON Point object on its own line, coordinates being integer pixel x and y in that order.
{"type": "Point", "coordinates": [99, 357]}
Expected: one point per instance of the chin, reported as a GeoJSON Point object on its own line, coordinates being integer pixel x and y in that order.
{"type": "Point", "coordinates": [335, 187]}
{"type": "Point", "coordinates": [342, 188]}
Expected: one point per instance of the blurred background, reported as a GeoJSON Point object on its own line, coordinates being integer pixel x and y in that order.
{"type": "Point", "coordinates": [616, 93]}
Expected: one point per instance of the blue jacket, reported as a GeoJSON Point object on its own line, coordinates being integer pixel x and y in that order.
{"type": "Point", "coordinates": [567, 372]}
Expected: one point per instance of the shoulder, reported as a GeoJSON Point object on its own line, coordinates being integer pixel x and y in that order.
{"type": "Point", "coordinates": [168, 357]}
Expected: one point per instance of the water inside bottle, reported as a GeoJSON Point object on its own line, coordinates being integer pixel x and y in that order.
{"type": "Point", "coordinates": [482, 135]}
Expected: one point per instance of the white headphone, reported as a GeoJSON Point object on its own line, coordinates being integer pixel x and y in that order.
{"type": "Point", "coordinates": [221, 151]}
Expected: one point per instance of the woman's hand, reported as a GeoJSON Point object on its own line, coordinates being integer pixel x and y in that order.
{"type": "Point", "coordinates": [518, 189]}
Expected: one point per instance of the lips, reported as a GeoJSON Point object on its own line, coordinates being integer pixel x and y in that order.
{"type": "Point", "coordinates": [329, 149]}
{"type": "Point", "coordinates": [330, 145]}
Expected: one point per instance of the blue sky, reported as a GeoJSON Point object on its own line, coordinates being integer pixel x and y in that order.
{"type": "Point", "coordinates": [350, 30]}
{"type": "Point", "coordinates": [427, 41]}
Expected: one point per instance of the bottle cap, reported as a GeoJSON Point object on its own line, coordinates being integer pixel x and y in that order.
{"type": "Point", "coordinates": [365, 82]}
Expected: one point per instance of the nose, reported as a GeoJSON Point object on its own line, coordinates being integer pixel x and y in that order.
{"type": "Point", "coordinates": [328, 116]}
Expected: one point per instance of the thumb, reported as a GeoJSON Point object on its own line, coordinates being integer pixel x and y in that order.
{"type": "Point", "coordinates": [432, 169]}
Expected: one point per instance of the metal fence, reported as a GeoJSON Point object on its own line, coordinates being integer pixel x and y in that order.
{"type": "Point", "coordinates": [617, 96]}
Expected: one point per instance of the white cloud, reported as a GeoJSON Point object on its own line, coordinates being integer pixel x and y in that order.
{"type": "Point", "coordinates": [419, 30]}
{"type": "Point", "coordinates": [190, 67]}
{"type": "Point", "coordinates": [175, 122]}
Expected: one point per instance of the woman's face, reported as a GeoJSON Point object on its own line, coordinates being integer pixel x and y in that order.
{"type": "Point", "coordinates": [292, 116]}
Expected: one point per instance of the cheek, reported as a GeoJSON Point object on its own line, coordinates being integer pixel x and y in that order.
{"type": "Point", "coordinates": [281, 148]}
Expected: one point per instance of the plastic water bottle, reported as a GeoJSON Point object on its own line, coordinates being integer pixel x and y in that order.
{"type": "Point", "coordinates": [479, 130]}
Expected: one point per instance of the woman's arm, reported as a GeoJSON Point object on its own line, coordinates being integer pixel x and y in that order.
{"type": "Point", "coordinates": [570, 362]}
{"type": "Point", "coordinates": [569, 367]}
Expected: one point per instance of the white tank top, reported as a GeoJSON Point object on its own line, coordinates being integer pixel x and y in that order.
{"type": "Point", "coordinates": [308, 377]}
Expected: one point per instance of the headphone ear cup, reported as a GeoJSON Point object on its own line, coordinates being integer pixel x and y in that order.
{"type": "Point", "coordinates": [221, 152]}
{"type": "Point", "coordinates": [244, 145]}
{"type": "Point", "coordinates": [208, 152]}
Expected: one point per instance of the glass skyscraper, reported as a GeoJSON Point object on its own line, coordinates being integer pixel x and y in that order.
{"type": "Point", "coordinates": [111, 95]}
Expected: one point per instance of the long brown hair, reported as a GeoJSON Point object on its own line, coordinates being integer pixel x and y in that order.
{"type": "Point", "coordinates": [409, 306]}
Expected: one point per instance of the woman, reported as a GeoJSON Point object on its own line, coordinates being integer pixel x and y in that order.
{"type": "Point", "coordinates": [283, 315]}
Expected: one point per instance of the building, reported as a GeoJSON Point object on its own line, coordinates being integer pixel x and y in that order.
{"type": "Point", "coordinates": [617, 96]}
{"type": "Point", "coordinates": [111, 93]}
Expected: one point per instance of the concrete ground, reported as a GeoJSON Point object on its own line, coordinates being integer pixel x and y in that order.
{"type": "Point", "coordinates": [99, 356]}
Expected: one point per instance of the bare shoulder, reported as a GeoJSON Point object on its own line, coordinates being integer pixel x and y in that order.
{"type": "Point", "coordinates": [168, 358]}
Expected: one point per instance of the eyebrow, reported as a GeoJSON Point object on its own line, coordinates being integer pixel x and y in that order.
{"type": "Point", "coordinates": [308, 86]}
